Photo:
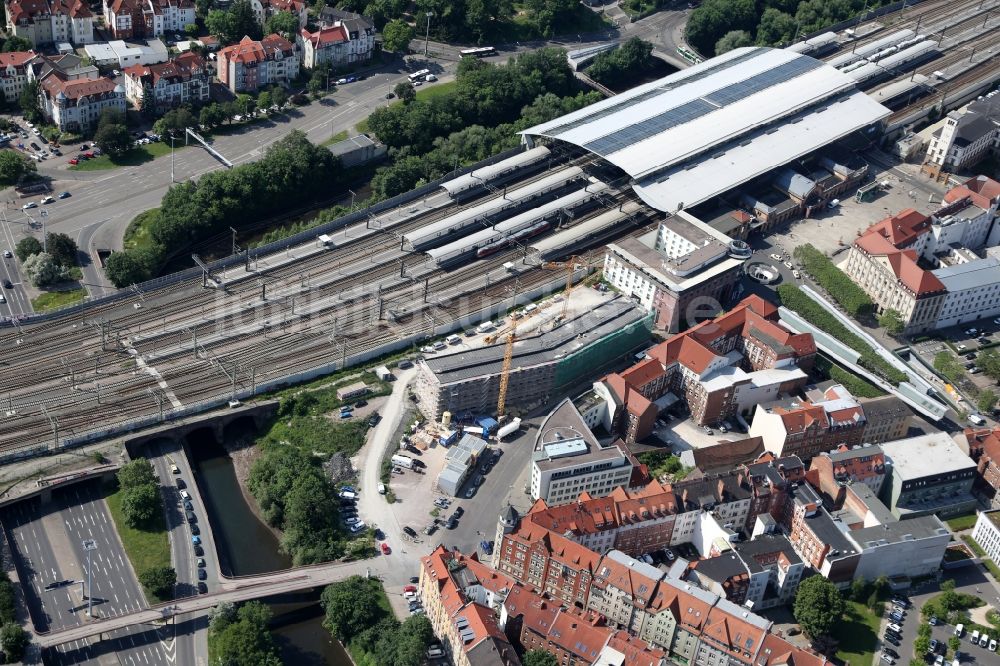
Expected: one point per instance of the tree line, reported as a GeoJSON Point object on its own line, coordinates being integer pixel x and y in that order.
{"type": "Point", "coordinates": [717, 26]}
{"type": "Point", "coordinates": [292, 172]}
{"type": "Point", "coordinates": [481, 117]}
{"type": "Point", "coordinates": [240, 636]}
{"type": "Point", "coordinates": [142, 509]}
{"type": "Point", "coordinates": [623, 66]}
{"type": "Point", "coordinates": [356, 613]}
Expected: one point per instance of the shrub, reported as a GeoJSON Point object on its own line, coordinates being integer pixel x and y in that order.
{"type": "Point", "coordinates": [841, 288]}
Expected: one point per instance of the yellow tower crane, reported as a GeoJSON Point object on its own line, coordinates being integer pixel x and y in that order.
{"type": "Point", "coordinates": [508, 358]}
{"type": "Point", "coordinates": [569, 265]}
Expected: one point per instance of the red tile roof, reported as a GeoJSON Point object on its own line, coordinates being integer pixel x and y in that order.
{"type": "Point", "coordinates": [326, 36]}
{"type": "Point", "coordinates": [248, 50]}
{"type": "Point", "coordinates": [982, 190]}
{"type": "Point", "coordinates": [643, 372]}
{"type": "Point", "coordinates": [77, 88]}
{"type": "Point", "coordinates": [732, 634]}
{"type": "Point", "coordinates": [16, 58]}
{"type": "Point", "coordinates": [776, 651]}
{"type": "Point", "coordinates": [903, 264]}
{"type": "Point", "coordinates": [901, 229]}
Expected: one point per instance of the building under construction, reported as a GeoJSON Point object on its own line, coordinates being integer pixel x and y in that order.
{"type": "Point", "coordinates": [544, 364]}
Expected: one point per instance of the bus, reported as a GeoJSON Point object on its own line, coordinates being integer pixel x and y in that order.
{"type": "Point", "coordinates": [481, 52]}
{"type": "Point", "coordinates": [419, 76]}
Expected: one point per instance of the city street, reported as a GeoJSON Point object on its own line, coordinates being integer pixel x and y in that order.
{"type": "Point", "coordinates": [49, 544]}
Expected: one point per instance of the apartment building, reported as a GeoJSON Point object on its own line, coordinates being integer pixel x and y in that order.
{"type": "Point", "coordinates": [683, 271]}
{"type": "Point", "coordinates": [336, 45]}
{"type": "Point", "coordinates": [144, 19]}
{"type": "Point", "coordinates": [76, 104]}
{"type": "Point", "coordinates": [764, 571]}
{"type": "Point", "coordinates": [265, 9]}
{"type": "Point", "coordinates": [987, 533]}
{"type": "Point", "coordinates": [568, 460]}
{"type": "Point", "coordinates": [44, 22]}
{"type": "Point", "coordinates": [14, 73]}
{"type": "Point", "coordinates": [832, 472]}
{"type": "Point", "coordinates": [720, 367]}
{"type": "Point", "coordinates": [460, 597]}
{"type": "Point", "coordinates": [183, 80]}
{"type": "Point", "coordinates": [984, 449]}
{"type": "Point", "coordinates": [803, 427]}
{"type": "Point", "coordinates": [886, 418]}
{"type": "Point", "coordinates": [252, 65]}
{"type": "Point", "coordinates": [966, 136]}
{"type": "Point", "coordinates": [928, 474]}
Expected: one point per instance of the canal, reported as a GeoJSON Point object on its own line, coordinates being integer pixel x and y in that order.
{"type": "Point", "coordinates": [246, 547]}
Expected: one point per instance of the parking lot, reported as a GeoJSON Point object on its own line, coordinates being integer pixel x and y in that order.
{"type": "Point", "coordinates": [965, 344]}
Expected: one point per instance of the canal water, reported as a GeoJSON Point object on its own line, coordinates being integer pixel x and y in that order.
{"type": "Point", "coordinates": [246, 547]}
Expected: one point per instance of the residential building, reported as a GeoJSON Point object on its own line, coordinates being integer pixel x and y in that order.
{"type": "Point", "coordinates": [568, 460]}
{"type": "Point", "coordinates": [966, 217]}
{"type": "Point", "coordinates": [720, 368]}
{"type": "Point", "coordinates": [883, 262]}
{"type": "Point", "coordinates": [861, 540]}
{"type": "Point", "coordinates": [460, 595]}
{"type": "Point", "coordinates": [183, 80]}
{"type": "Point", "coordinates": [265, 9]}
{"type": "Point", "coordinates": [832, 472]}
{"type": "Point", "coordinates": [252, 65]}
{"type": "Point", "coordinates": [544, 363]}
{"type": "Point", "coordinates": [929, 474]}
{"type": "Point", "coordinates": [966, 137]}
{"type": "Point", "coordinates": [972, 291]}
{"type": "Point", "coordinates": [623, 590]}
{"type": "Point", "coordinates": [14, 73]}
{"type": "Point", "coordinates": [336, 46]}
{"type": "Point", "coordinates": [886, 418]}
{"type": "Point", "coordinates": [138, 19]}
{"type": "Point", "coordinates": [44, 22]}
{"type": "Point", "coordinates": [73, 97]}
{"type": "Point", "coordinates": [803, 427]}
{"type": "Point", "coordinates": [683, 271]}
{"type": "Point", "coordinates": [984, 449]}
{"type": "Point", "coordinates": [987, 533]}
{"type": "Point", "coordinates": [760, 573]}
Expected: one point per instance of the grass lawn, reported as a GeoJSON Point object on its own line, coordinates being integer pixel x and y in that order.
{"type": "Point", "coordinates": [965, 522]}
{"type": "Point", "coordinates": [134, 157]}
{"type": "Point", "coordinates": [857, 633]}
{"type": "Point", "coordinates": [52, 300]}
{"type": "Point", "coordinates": [339, 136]}
{"type": "Point", "coordinates": [429, 91]}
{"type": "Point", "coordinates": [137, 232]}
{"type": "Point", "coordinates": [362, 127]}
{"type": "Point", "coordinates": [145, 548]}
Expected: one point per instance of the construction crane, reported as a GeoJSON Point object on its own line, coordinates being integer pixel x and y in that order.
{"type": "Point", "coordinates": [569, 265]}
{"type": "Point", "coordinates": [508, 358]}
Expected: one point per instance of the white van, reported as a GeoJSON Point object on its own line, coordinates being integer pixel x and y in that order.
{"type": "Point", "coordinates": [976, 419]}
{"type": "Point", "coordinates": [959, 629]}
{"type": "Point", "coordinates": [485, 327]}
{"type": "Point", "coordinates": [835, 203]}
{"type": "Point", "coordinates": [975, 637]}
{"type": "Point", "coordinates": [453, 339]}
{"type": "Point", "coordinates": [530, 308]}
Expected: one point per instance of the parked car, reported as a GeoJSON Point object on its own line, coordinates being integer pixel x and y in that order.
{"type": "Point", "coordinates": [196, 540]}
{"type": "Point", "coordinates": [29, 205]}
{"type": "Point", "coordinates": [200, 563]}
{"type": "Point", "coordinates": [410, 531]}
{"type": "Point", "coordinates": [385, 548]}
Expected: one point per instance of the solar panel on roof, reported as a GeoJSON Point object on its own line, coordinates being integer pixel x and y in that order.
{"type": "Point", "coordinates": [650, 94]}
{"type": "Point", "coordinates": [704, 105]}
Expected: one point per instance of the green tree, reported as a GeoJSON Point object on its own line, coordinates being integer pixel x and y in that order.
{"type": "Point", "coordinates": [245, 640]}
{"type": "Point", "coordinates": [775, 27]}
{"type": "Point", "coordinates": [396, 36]}
{"type": "Point", "coordinates": [13, 641]}
{"type": "Point", "coordinates": [279, 97]}
{"type": "Point", "coordinates": [733, 39]}
{"type": "Point", "coordinates": [15, 43]}
{"type": "Point", "coordinates": [41, 269]}
{"type": "Point", "coordinates": [191, 30]}
{"type": "Point", "coordinates": [954, 643]}
{"type": "Point", "coordinates": [922, 645]}
{"type": "Point", "coordinates": [140, 505]}
{"type": "Point", "coordinates": [858, 589]}
{"type": "Point", "coordinates": [629, 62]}
{"type": "Point", "coordinates": [989, 361]}
{"type": "Point", "coordinates": [283, 23]}
{"type": "Point", "coordinates": [28, 101]}
{"type": "Point", "coordinates": [62, 248]}
{"type": "Point", "coordinates": [13, 166]}
{"type": "Point", "coordinates": [244, 22]}
{"type": "Point", "coordinates": [147, 105]}
{"type": "Point", "coordinates": [264, 101]}
{"type": "Point", "coordinates": [316, 85]}
{"type": "Point", "coordinates": [221, 615]}
{"type": "Point", "coordinates": [405, 91]}
{"type": "Point", "coordinates": [539, 658]}
{"type": "Point", "coordinates": [350, 606]}
{"type": "Point", "coordinates": [26, 247]}
{"type": "Point", "coordinates": [159, 580]}
{"type": "Point", "coordinates": [138, 472]}
{"type": "Point", "coordinates": [818, 606]}
{"type": "Point", "coordinates": [986, 401]}
{"type": "Point", "coordinates": [891, 321]}
{"type": "Point", "coordinates": [246, 104]}
{"type": "Point", "coordinates": [174, 122]}
{"type": "Point", "coordinates": [126, 267]}
{"type": "Point", "coordinates": [219, 23]}
{"type": "Point", "coordinates": [8, 603]}
{"type": "Point", "coordinates": [949, 366]}
{"type": "Point", "coordinates": [112, 136]}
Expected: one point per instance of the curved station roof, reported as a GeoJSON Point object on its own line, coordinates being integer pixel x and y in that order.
{"type": "Point", "coordinates": [700, 132]}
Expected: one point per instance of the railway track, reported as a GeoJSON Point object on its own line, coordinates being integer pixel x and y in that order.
{"type": "Point", "coordinates": [65, 381]}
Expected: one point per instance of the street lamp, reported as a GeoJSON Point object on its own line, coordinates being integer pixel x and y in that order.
{"type": "Point", "coordinates": [89, 545]}
{"type": "Point", "coordinates": [352, 199]}
{"type": "Point", "coordinates": [172, 181]}
{"type": "Point", "coordinates": [427, 35]}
